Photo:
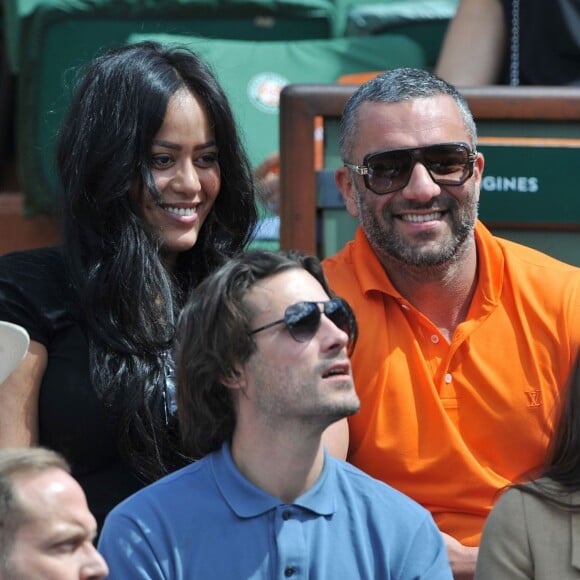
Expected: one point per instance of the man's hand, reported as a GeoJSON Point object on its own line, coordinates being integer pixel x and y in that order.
{"type": "Point", "coordinates": [462, 558]}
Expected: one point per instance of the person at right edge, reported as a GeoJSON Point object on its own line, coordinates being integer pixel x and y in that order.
{"type": "Point", "coordinates": [465, 339]}
{"type": "Point", "coordinates": [513, 42]}
{"type": "Point", "coordinates": [532, 533]}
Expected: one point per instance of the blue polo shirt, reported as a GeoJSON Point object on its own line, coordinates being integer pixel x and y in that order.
{"type": "Point", "coordinates": [207, 521]}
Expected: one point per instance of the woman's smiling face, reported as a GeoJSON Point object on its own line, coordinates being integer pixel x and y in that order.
{"type": "Point", "coordinates": [186, 171]}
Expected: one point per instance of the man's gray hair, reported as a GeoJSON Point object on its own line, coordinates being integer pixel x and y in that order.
{"type": "Point", "coordinates": [395, 86]}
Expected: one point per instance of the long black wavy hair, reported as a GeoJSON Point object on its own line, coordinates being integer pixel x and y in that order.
{"type": "Point", "coordinates": [128, 300]}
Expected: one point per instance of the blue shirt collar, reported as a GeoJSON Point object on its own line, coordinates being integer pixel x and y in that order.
{"type": "Point", "coordinates": [248, 501]}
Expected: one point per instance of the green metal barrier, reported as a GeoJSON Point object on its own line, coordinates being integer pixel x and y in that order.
{"type": "Point", "coordinates": [531, 186]}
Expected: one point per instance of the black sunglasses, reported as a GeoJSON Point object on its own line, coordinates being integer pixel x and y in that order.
{"type": "Point", "coordinates": [389, 171]}
{"type": "Point", "coordinates": [302, 319]}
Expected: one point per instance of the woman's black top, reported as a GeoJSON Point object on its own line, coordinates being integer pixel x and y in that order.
{"type": "Point", "coordinates": [35, 293]}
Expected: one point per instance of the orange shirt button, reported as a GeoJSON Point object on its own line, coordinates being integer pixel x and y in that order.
{"type": "Point", "coordinates": [434, 339]}
{"type": "Point", "coordinates": [448, 378]}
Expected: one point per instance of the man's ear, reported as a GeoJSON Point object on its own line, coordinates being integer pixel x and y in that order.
{"type": "Point", "coordinates": [236, 380]}
{"type": "Point", "coordinates": [478, 172]}
{"type": "Point", "coordinates": [345, 184]}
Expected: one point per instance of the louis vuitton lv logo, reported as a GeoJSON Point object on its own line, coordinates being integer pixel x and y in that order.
{"type": "Point", "coordinates": [534, 398]}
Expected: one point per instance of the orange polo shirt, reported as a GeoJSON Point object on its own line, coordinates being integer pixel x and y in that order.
{"type": "Point", "coordinates": [450, 424]}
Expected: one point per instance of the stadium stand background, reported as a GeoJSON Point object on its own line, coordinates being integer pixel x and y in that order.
{"type": "Point", "coordinates": [256, 47]}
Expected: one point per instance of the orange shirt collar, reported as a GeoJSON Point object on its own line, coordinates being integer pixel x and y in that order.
{"type": "Point", "coordinates": [372, 276]}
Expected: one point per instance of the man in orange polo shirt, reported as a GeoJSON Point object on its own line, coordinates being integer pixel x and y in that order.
{"type": "Point", "coordinates": [465, 339]}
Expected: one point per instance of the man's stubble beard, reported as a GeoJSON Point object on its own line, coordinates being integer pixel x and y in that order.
{"type": "Point", "coordinates": [393, 248]}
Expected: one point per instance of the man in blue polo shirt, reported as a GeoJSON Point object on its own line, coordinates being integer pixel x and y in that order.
{"type": "Point", "coordinates": [262, 371]}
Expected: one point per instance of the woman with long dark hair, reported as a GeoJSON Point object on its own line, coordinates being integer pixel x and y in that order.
{"type": "Point", "coordinates": [533, 532]}
{"type": "Point", "coordinates": [157, 193]}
